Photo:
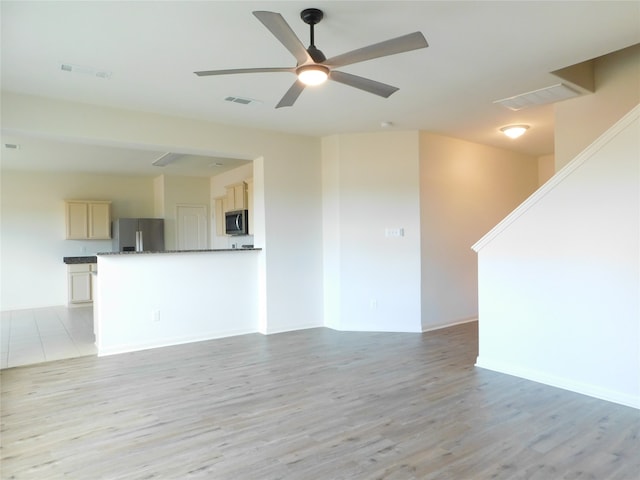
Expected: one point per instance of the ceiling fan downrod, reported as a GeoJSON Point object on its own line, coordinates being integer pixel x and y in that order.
{"type": "Point", "coordinates": [312, 16]}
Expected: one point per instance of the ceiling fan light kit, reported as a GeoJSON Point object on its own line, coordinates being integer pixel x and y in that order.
{"type": "Point", "coordinates": [313, 68]}
{"type": "Point", "coordinates": [312, 74]}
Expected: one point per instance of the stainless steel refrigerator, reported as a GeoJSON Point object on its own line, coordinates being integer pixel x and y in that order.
{"type": "Point", "coordinates": [138, 235]}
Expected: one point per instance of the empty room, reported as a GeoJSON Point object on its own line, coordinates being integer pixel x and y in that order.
{"type": "Point", "coordinates": [339, 240]}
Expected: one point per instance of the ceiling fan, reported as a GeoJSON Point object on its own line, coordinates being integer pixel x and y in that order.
{"type": "Point", "coordinates": [313, 68]}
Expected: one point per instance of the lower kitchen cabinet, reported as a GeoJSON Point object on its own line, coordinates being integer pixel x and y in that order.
{"type": "Point", "coordinates": [80, 279]}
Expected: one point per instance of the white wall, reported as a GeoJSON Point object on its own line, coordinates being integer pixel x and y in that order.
{"type": "Point", "coordinates": [32, 227]}
{"type": "Point", "coordinates": [288, 186]}
{"type": "Point", "coordinates": [290, 206]}
{"type": "Point", "coordinates": [560, 278]}
{"type": "Point", "coordinates": [465, 189]}
{"type": "Point", "coordinates": [370, 184]}
{"type": "Point", "coordinates": [582, 120]}
{"type": "Point", "coordinates": [154, 300]}
{"type": "Point", "coordinates": [331, 232]}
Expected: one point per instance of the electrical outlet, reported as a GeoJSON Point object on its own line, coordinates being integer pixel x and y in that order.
{"type": "Point", "coordinates": [373, 304]}
{"type": "Point", "coordinates": [155, 315]}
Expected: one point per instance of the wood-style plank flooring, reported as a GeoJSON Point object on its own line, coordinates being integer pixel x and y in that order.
{"type": "Point", "coordinates": [309, 405]}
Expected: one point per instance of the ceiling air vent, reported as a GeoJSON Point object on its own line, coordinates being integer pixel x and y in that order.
{"type": "Point", "coordinates": [543, 96]}
{"type": "Point", "coordinates": [84, 70]}
{"type": "Point", "coordinates": [240, 100]}
{"type": "Point", "coordinates": [166, 159]}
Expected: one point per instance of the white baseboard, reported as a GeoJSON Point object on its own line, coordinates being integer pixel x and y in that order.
{"type": "Point", "coordinates": [447, 325]}
{"type": "Point", "coordinates": [560, 382]}
{"type": "Point", "coordinates": [136, 347]}
{"type": "Point", "coordinates": [291, 328]}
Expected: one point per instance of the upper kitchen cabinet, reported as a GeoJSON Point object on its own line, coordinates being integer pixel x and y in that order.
{"type": "Point", "coordinates": [220, 206]}
{"type": "Point", "coordinates": [236, 196]}
{"type": "Point", "coordinates": [88, 219]}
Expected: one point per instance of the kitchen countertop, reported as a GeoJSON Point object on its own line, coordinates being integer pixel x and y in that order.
{"type": "Point", "coordinates": [76, 260]}
{"type": "Point", "coordinates": [180, 251]}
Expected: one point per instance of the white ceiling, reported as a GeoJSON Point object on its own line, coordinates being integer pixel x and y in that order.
{"type": "Point", "coordinates": [479, 52]}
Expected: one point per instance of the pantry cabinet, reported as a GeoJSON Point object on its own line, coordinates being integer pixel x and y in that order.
{"type": "Point", "coordinates": [88, 220]}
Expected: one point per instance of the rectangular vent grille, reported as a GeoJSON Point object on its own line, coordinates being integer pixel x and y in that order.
{"type": "Point", "coordinates": [68, 67]}
{"type": "Point", "coordinates": [166, 159]}
{"type": "Point", "coordinates": [243, 101]}
{"type": "Point", "coordinates": [543, 96]}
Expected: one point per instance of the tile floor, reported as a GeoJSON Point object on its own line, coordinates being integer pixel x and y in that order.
{"type": "Point", "coordinates": [45, 334]}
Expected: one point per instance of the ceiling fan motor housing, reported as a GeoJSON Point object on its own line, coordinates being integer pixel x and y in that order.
{"type": "Point", "coordinates": [311, 16]}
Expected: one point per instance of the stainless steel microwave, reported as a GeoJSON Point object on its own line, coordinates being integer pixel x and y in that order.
{"type": "Point", "coordinates": [236, 222]}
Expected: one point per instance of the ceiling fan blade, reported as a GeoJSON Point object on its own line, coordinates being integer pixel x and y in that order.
{"type": "Point", "coordinates": [371, 86]}
{"type": "Point", "coordinates": [232, 71]}
{"type": "Point", "coordinates": [280, 29]}
{"type": "Point", "coordinates": [405, 43]}
{"type": "Point", "coordinates": [292, 94]}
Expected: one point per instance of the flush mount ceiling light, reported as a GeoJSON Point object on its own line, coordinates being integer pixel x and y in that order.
{"type": "Point", "coordinates": [514, 131]}
{"type": "Point", "coordinates": [312, 74]}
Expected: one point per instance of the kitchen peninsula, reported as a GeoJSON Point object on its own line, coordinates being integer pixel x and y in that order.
{"type": "Point", "coordinates": [154, 299]}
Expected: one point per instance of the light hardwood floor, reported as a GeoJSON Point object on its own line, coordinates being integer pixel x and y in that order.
{"type": "Point", "coordinates": [309, 405]}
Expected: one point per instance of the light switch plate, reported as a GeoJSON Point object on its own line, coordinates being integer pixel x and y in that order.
{"type": "Point", "coordinates": [394, 232]}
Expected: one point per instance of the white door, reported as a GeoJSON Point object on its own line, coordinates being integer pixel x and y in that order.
{"type": "Point", "coordinates": [192, 227]}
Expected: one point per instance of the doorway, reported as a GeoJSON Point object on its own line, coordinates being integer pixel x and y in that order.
{"type": "Point", "coordinates": [192, 227]}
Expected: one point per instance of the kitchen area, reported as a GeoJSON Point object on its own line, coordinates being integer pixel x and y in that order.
{"type": "Point", "coordinates": [229, 226]}
{"type": "Point", "coordinates": [55, 317]}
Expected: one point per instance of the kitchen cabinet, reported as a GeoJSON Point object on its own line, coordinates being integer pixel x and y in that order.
{"type": "Point", "coordinates": [220, 206]}
{"type": "Point", "coordinates": [88, 220]}
{"type": "Point", "coordinates": [236, 196]}
{"type": "Point", "coordinates": [249, 182]}
{"type": "Point", "coordinates": [80, 282]}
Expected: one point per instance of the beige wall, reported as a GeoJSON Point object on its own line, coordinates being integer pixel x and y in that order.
{"type": "Point", "coordinates": [581, 120]}
{"type": "Point", "coordinates": [446, 193]}
{"type": "Point", "coordinates": [179, 190]}
{"type": "Point", "coordinates": [546, 168]}
{"type": "Point", "coordinates": [287, 186]}
{"type": "Point", "coordinates": [32, 229]}
{"type": "Point", "coordinates": [559, 280]}
{"type": "Point", "coordinates": [465, 189]}
{"type": "Point", "coordinates": [370, 184]}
